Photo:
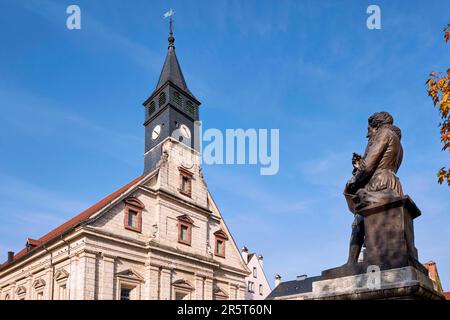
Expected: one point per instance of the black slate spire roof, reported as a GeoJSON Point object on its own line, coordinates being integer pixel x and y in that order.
{"type": "Point", "coordinates": [171, 70]}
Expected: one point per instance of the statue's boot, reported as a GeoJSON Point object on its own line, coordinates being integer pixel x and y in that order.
{"type": "Point", "coordinates": [353, 254]}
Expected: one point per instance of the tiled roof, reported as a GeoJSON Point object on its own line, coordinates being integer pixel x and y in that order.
{"type": "Point", "coordinates": [86, 214]}
{"type": "Point", "coordinates": [293, 287]}
{"type": "Point", "coordinates": [447, 295]}
{"type": "Point", "coordinates": [33, 242]}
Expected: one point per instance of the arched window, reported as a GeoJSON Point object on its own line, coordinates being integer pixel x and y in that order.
{"type": "Point", "coordinates": [177, 98]}
{"type": "Point", "coordinates": [162, 98]}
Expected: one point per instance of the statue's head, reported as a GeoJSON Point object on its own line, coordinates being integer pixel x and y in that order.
{"type": "Point", "coordinates": [377, 120]}
{"type": "Point", "coordinates": [380, 118]}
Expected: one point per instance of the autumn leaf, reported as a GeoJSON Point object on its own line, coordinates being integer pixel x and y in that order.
{"type": "Point", "coordinates": [438, 88]}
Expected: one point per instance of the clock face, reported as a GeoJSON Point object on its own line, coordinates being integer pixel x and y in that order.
{"type": "Point", "coordinates": [185, 131]}
{"type": "Point", "coordinates": [156, 131]}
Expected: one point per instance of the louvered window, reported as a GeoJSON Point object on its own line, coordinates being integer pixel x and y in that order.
{"type": "Point", "coordinates": [190, 108]}
{"type": "Point", "coordinates": [151, 108]}
{"type": "Point", "coordinates": [177, 98]}
{"type": "Point", "coordinates": [162, 98]}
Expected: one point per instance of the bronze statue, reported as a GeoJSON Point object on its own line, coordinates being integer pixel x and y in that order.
{"type": "Point", "coordinates": [374, 180]}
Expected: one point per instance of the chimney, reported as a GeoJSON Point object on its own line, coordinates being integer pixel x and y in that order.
{"type": "Point", "coordinates": [10, 256]}
{"type": "Point", "coordinates": [261, 260]}
{"type": "Point", "coordinates": [277, 280]}
{"type": "Point", "coordinates": [301, 277]}
{"type": "Point", "coordinates": [245, 254]}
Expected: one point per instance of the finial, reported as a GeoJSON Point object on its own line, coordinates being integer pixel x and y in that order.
{"type": "Point", "coordinates": [171, 39]}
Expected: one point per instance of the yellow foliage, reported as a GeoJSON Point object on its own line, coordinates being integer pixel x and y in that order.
{"type": "Point", "coordinates": [438, 88]}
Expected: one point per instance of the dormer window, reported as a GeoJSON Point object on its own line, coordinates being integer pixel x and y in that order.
{"type": "Point", "coordinates": [185, 182]}
{"type": "Point", "coordinates": [133, 214]}
{"type": "Point", "coordinates": [185, 229]}
{"type": "Point", "coordinates": [31, 244]}
{"type": "Point", "coordinates": [221, 238]}
{"type": "Point", "coordinates": [162, 99]}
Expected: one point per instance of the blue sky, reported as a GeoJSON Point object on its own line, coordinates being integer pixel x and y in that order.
{"type": "Point", "coordinates": [71, 113]}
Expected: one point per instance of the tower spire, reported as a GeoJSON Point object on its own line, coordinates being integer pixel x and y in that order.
{"type": "Point", "coordinates": [169, 108]}
{"type": "Point", "coordinates": [171, 70]}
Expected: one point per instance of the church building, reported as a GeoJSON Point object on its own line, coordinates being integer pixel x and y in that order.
{"type": "Point", "coordinates": [161, 236]}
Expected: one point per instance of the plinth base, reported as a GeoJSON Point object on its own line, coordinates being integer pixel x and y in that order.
{"type": "Point", "coordinates": [405, 283]}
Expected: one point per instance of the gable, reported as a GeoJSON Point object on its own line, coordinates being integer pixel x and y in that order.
{"type": "Point", "coordinates": [232, 252]}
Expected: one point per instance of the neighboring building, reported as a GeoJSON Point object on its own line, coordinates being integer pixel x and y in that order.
{"type": "Point", "coordinates": [434, 275]}
{"type": "Point", "coordinates": [161, 236]}
{"type": "Point", "coordinates": [258, 287]}
{"type": "Point", "coordinates": [447, 295]}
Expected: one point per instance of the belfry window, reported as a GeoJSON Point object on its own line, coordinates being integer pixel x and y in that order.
{"type": "Point", "coordinates": [177, 98]}
{"type": "Point", "coordinates": [190, 108]}
{"type": "Point", "coordinates": [151, 108]}
{"type": "Point", "coordinates": [162, 99]}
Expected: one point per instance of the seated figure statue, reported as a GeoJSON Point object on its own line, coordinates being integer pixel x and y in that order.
{"type": "Point", "coordinates": [374, 179]}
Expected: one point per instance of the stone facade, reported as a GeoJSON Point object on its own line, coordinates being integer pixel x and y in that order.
{"type": "Point", "coordinates": [99, 258]}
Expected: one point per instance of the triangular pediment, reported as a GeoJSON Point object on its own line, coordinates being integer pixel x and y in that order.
{"type": "Point", "coordinates": [181, 283]}
{"type": "Point", "coordinates": [61, 275]}
{"type": "Point", "coordinates": [39, 283]}
{"type": "Point", "coordinates": [130, 274]}
{"type": "Point", "coordinates": [21, 290]}
{"type": "Point", "coordinates": [185, 218]}
{"type": "Point", "coordinates": [220, 292]}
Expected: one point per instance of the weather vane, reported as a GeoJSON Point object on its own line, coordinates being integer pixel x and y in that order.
{"type": "Point", "coordinates": [169, 14]}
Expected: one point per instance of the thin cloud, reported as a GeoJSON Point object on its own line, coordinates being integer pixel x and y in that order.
{"type": "Point", "coordinates": [141, 55]}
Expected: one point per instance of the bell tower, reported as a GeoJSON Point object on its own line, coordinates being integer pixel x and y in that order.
{"type": "Point", "coordinates": [171, 110]}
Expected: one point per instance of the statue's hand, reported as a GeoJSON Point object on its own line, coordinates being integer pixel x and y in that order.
{"type": "Point", "coordinates": [351, 187]}
{"type": "Point", "coordinates": [356, 159]}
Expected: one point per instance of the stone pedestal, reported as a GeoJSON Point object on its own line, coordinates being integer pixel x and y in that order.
{"type": "Point", "coordinates": [389, 270]}
{"type": "Point", "coordinates": [403, 283]}
{"type": "Point", "coordinates": [389, 239]}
